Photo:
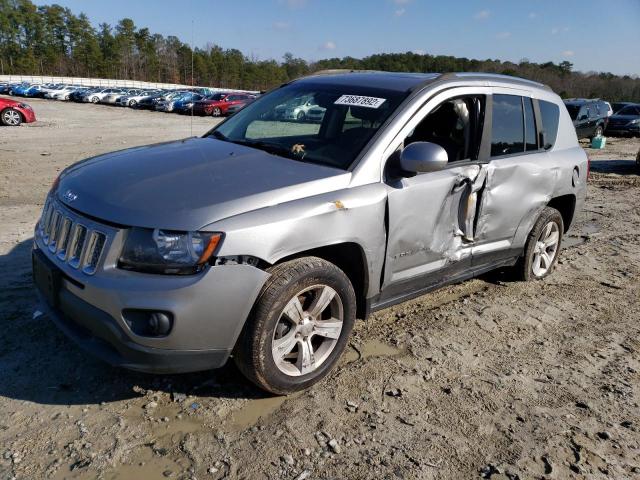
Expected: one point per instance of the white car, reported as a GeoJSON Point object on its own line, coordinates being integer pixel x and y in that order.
{"type": "Point", "coordinates": [95, 97]}
{"type": "Point", "coordinates": [62, 93]}
{"type": "Point", "coordinates": [298, 109]}
{"type": "Point", "coordinates": [112, 97]}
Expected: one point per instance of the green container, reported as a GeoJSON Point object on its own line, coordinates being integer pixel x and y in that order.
{"type": "Point", "coordinates": [598, 142]}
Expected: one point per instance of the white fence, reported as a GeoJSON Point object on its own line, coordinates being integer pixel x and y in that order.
{"type": "Point", "coordinates": [103, 82]}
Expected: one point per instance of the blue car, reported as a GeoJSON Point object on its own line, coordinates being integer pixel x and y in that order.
{"type": "Point", "coordinates": [33, 91]}
{"type": "Point", "coordinates": [184, 103]}
{"type": "Point", "coordinates": [19, 89]}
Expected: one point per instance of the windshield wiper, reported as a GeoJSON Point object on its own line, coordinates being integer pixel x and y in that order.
{"type": "Point", "coordinates": [272, 148]}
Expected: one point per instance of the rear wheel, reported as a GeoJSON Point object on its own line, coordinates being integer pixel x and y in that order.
{"type": "Point", "coordinates": [216, 112]}
{"type": "Point", "coordinates": [301, 116]}
{"type": "Point", "coordinates": [299, 327]}
{"type": "Point", "coordinates": [542, 247]}
{"type": "Point", "coordinates": [95, 99]}
{"type": "Point", "coordinates": [10, 117]}
{"type": "Point", "coordinates": [133, 103]}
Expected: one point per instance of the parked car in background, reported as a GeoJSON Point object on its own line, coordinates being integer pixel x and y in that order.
{"type": "Point", "coordinates": [267, 239]}
{"type": "Point", "coordinates": [167, 103]}
{"type": "Point", "coordinates": [625, 122]}
{"type": "Point", "coordinates": [238, 106]}
{"type": "Point", "coordinates": [151, 101]}
{"type": "Point", "coordinates": [14, 113]}
{"type": "Point", "coordinates": [78, 94]}
{"type": "Point", "coordinates": [218, 104]}
{"type": "Point", "coordinates": [33, 91]}
{"type": "Point", "coordinates": [18, 89]}
{"type": "Point", "coordinates": [296, 109]}
{"type": "Point", "coordinates": [63, 93]}
{"type": "Point", "coordinates": [133, 99]}
{"type": "Point", "coordinates": [185, 103]}
{"type": "Point", "coordinates": [97, 95]}
{"type": "Point", "coordinates": [112, 97]}
{"type": "Point", "coordinates": [589, 117]}
{"type": "Point", "coordinates": [620, 105]}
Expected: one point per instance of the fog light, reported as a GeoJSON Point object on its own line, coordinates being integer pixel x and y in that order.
{"type": "Point", "coordinates": [148, 323]}
{"type": "Point", "coordinates": [160, 323]}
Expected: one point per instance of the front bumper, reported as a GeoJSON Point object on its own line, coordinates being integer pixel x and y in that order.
{"type": "Point", "coordinates": [28, 114]}
{"type": "Point", "coordinates": [209, 310]}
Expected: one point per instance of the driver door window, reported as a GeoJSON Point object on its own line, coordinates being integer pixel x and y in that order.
{"type": "Point", "coordinates": [455, 125]}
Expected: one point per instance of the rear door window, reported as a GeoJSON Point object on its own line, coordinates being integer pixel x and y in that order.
{"type": "Point", "coordinates": [550, 113]}
{"type": "Point", "coordinates": [507, 128]}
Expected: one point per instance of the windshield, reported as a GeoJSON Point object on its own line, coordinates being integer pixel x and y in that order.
{"type": "Point", "coordinates": [629, 110]}
{"type": "Point", "coordinates": [315, 123]}
{"type": "Point", "coordinates": [573, 111]}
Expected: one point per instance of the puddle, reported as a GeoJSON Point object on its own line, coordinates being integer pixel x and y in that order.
{"type": "Point", "coordinates": [371, 348]}
{"type": "Point", "coordinates": [574, 239]}
{"type": "Point", "coordinates": [255, 409]}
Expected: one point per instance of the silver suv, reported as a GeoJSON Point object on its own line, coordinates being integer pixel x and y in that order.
{"type": "Point", "coordinates": [266, 238]}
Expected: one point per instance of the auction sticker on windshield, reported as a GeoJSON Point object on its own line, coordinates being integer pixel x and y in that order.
{"type": "Point", "coordinates": [360, 101]}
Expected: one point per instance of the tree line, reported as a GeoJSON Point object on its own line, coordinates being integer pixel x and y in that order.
{"type": "Point", "coordinates": [52, 40]}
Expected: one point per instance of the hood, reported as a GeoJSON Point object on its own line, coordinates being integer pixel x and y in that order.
{"type": "Point", "coordinates": [188, 184]}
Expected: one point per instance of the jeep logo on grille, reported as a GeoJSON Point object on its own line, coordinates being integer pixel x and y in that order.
{"type": "Point", "coordinates": [69, 196]}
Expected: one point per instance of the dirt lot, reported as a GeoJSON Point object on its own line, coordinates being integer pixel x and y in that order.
{"type": "Point", "coordinates": [490, 378]}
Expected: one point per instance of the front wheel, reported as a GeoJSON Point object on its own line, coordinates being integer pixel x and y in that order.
{"type": "Point", "coordinates": [216, 112]}
{"type": "Point", "coordinates": [95, 99]}
{"type": "Point", "coordinates": [598, 132]}
{"type": "Point", "coordinates": [542, 247]}
{"type": "Point", "coordinates": [133, 103]}
{"type": "Point", "coordinates": [299, 326]}
{"type": "Point", "coordinates": [10, 117]}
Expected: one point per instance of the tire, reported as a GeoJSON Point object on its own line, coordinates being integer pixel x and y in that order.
{"type": "Point", "coordinates": [133, 103]}
{"type": "Point", "coordinates": [301, 116]}
{"type": "Point", "coordinates": [10, 117]}
{"type": "Point", "coordinates": [95, 99]}
{"type": "Point", "coordinates": [533, 265]}
{"type": "Point", "coordinates": [216, 112]}
{"type": "Point", "coordinates": [301, 282]}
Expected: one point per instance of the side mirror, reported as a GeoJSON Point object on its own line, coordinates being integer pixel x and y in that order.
{"type": "Point", "coordinates": [422, 157]}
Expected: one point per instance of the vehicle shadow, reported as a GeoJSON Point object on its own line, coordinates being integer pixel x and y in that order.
{"type": "Point", "coordinates": [39, 364]}
{"type": "Point", "coordinates": [621, 167]}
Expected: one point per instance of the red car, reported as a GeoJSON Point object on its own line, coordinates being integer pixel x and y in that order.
{"type": "Point", "coordinates": [13, 113]}
{"type": "Point", "coordinates": [218, 103]}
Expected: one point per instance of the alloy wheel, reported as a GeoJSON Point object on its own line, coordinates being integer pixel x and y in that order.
{"type": "Point", "coordinates": [308, 330]}
{"type": "Point", "coordinates": [11, 117]}
{"type": "Point", "coordinates": [546, 249]}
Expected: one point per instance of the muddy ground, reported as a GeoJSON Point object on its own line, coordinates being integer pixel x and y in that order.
{"type": "Point", "coordinates": [489, 378]}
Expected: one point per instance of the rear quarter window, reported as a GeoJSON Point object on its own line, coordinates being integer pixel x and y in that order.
{"type": "Point", "coordinates": [550, 113]}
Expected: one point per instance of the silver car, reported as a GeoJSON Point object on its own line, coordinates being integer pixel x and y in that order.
{"type": "Point", "coordinates": [265, 239]}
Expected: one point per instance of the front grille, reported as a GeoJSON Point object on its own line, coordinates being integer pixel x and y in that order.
{"type": "Point", "coordinates": [71, 238]}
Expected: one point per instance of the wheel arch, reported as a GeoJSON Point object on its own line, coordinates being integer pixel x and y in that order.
{"type": "Point", "coordinates": [566, 205]}
{"type": "Point", "coordinates": [350, 257]}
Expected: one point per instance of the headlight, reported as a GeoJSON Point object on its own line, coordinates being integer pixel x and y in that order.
{"type": "Point", "coordinates": [633, 122]}
{"type": "Point", "coordinates": [168, 251]}
{"type": "Point", "coordinates": [24, 105]}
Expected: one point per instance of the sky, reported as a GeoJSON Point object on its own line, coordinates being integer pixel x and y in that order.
{"type": "Point", "coordinates": [588, 33]}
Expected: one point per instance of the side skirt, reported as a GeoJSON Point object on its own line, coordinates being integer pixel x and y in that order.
{"type": "Point", "coordinates": [417, 287]}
